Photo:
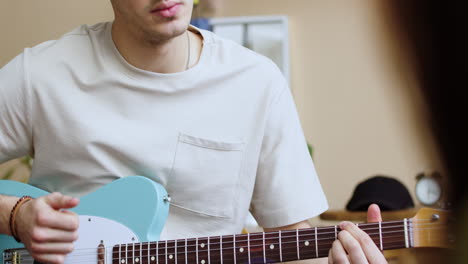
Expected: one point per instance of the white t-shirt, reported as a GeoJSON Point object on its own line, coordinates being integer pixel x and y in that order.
{"type": "Point", "coordinates": [222, 137]}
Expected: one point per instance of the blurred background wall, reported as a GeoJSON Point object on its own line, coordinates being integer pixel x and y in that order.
{"type": "Point", "coordinates": [355, 89]}
{"type": "Point", "coordinates": [352, 79]}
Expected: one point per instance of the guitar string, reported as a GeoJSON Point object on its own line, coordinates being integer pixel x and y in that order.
{"type": "Point", "coordinates": [414, 226]}
{"type": "Point", "coordinates": [310, 240]}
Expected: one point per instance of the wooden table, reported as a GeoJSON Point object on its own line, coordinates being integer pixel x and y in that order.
{"type": "Point", "coordinates": [341, 215]}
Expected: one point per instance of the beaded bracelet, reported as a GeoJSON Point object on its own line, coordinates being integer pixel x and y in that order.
{"type": "Point", "coordinates": [18, 204]}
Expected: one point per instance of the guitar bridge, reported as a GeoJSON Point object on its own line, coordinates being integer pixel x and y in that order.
{"type": "Point", "coordinates": [12, 256]}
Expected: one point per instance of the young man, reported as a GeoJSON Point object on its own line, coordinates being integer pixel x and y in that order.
{"type": "Point", "coordinates": [148, 95]}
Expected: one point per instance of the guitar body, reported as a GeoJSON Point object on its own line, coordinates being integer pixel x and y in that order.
{"type": "Point", "coordinates": [128, 210]}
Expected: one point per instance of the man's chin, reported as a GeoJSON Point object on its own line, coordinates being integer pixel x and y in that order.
{"type": "Point", "coordinates": [166, 32]}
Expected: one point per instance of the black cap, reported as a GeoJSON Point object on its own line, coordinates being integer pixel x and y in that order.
{"type": "Point", "coordinates": [388, 193]}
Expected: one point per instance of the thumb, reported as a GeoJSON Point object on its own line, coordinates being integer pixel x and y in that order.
{"type": "Point", "coordinates": [59, 201]}
{"type": "Point", "coordinates": [373, 214]}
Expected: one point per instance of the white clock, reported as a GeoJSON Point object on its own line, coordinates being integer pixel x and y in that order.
{"type": "Point", "coordinates": [428, 189]}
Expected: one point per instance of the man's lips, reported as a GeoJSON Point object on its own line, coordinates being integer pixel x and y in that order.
{"type": "Point", "coordinates": [166, 10]}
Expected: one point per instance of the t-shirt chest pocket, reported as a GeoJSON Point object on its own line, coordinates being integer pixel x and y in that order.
{"type": "Point", "coordinates": [205, 175]}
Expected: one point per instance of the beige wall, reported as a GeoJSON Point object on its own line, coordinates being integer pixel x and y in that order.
{"type": "Point", "coordinates": [25, 23]}
{"type": "Point", "coordinates": [355, 92]}
{"type": "Point", "coordinates": [356, 96]}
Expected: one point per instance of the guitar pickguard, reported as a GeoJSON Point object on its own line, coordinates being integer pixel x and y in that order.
{"type": "Point", "coordinates": [94, 231]}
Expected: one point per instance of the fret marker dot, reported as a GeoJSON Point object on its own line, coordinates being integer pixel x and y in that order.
{"type": "Point", "coordinates": [202, 245]}
{"type": "Point", "coordinates": [152, 258]}
{"type": "Point", "coordinates": [241, 250]}
{"type": "Point", "coordinates": [306, 243]}
{"type": "Point", "coordinates": [272, 246]}
{"type": "Point", "coordinates": [171, 257]}
{"type": "Point", "coordinates": [137, 260]}
{"type": "Point", "coordinates": [202, 261]}
{"type": "Point", "coordinates": [122, 261]}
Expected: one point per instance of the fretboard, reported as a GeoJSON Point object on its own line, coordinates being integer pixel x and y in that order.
{"type": "Point", "coordinates": [261, 247]}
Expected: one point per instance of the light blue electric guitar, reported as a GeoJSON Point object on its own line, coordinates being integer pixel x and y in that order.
{"type": "Point", "coordinates": [120, 223]}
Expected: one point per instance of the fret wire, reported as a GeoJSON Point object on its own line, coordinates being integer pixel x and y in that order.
{"type": "Point", "coordinates": [336, 232]}
{"type": "Point", "coordinates": [165, 250]}
{"type": "Point", "coordinates": [316, 245]}
{"type": "Point", "coordinates": [209, 250]}
{"type": "Point", "coordinates": [221, 248]}
{"type": "Point", "coordinates": [126, 253]}
{"type": "Point", "coordinates": [133, 258]}
{"type": "Point", "coordinates": [149, 252]}
{"type": "Point", "coordinates": [248, 245]}
{"type": "Point", "coordinates": [280, 251]}
{"type": "Point", "coordinates": [380, 235]}
{"type": "Point", "coordinates": [411, 232]}
{"type": "Point", "coordinates": [297, 244]}
{"type": "Point", "coordinates": [186, 251]}
{"type": "Point", "coordinates": [264, 247]}
{"type": "Point", "coordinates": [133, 253]}
{"type": "Point", "coordinates": [406, 234]}
{"type": "Point", "coordinates": [175, 245]}
{"type": "Point", "coordinates": [234, 248]}
{"type": "Point", "coordinates": [157, 252]}
{"type": "Point", "coordinates": [107, 255]}
{"type": "Point", "coordinates": [196, 244]}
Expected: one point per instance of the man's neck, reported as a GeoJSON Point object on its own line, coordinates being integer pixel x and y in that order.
{"type": "Point", "coordinates": [167, 56]}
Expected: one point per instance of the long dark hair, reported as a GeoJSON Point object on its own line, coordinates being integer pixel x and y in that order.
{"type": "Point", "coordinates": [437, 34]}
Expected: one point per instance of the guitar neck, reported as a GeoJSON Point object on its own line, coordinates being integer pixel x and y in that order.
{"type": "Point", "coordinates": [261, 247]}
